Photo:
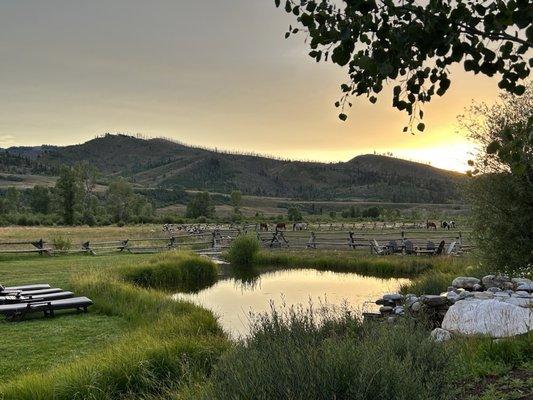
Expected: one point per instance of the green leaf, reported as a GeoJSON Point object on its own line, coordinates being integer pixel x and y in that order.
{"type": "Point", "coordinates": [277, 2]}
{"type": "Point", "coordinates": [493, 147]}
{"type": "Point", "coordinates": [373, 99]}
{"type": "Point", "coordinates": [343, 117]}
{"type": "Point", "coordinates": [421, 126]}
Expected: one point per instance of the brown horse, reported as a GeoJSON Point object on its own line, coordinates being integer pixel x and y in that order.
{"type": "Point", "coordinates": [280, 226]}
{"type": "Point", "coordinates": [432, 225]}
{"type": "Point", "coordinates": [263, 226]}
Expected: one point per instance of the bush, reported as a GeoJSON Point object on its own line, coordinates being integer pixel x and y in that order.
{"type": "Point", "coordinates": [243, 250]}
{"type": "Point", "coordinates": [61, 243]}
{"type": "Point", "coordinates": [302, 354]}
{"type": "Point", "coordinates": [172, 271]}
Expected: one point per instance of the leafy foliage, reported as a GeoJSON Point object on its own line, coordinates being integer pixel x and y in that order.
{"type": "Point", "coordinates": [501, 194]}
{"type": "Point", "coordinates": [416, 42]}
{"type": "Point", "coordinates": [200, 206]}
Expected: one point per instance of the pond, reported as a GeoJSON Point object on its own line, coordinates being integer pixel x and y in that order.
{"type": "Point", "coordinates": [233, 299]}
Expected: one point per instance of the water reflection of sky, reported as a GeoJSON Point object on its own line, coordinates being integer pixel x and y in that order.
{"type": "Point", "coordinates": [232, 300]}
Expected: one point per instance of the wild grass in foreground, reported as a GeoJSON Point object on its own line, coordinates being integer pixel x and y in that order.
{"type": "Point", "coordinates": [301, 353]}
{"type": "Point", "coordinates": [306, 354]}
{"type": "Point", "coordinates": [167, 343]}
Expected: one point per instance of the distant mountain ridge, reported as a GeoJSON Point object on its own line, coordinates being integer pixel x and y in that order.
{"type": "Point", "coordinates": [163, 163]}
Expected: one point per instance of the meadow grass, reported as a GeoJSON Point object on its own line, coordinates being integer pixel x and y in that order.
{"type": "Point", "coordinates": [393, 266]}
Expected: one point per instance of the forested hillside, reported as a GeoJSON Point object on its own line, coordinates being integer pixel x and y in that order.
{"type": "Point", "coordinates": [152, 163]}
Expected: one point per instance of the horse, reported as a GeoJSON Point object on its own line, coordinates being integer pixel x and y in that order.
{"type": "Point", "coordinates": [263, 226]}
{"type": "Point", "coordinates": [431, 225]}
{"type": "Point", "coordinates": [280, 226]}
{"type": "Point", "coordinates": [299, 226]}
{"type": "Point", "coordinates": [448, 225]}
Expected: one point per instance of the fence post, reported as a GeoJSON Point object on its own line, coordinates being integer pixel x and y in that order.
{"type": "Point", "coordinates": [311, 244]}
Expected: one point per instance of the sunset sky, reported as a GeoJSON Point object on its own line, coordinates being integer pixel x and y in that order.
{"type": "Point", "coordinates": [206, 72]}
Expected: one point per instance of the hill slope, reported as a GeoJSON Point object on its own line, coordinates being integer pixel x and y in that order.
{"type": "Point", "coordinates": [163, 163]}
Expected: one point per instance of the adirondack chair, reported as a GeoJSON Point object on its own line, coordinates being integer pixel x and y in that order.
{"type": "Point", "coordinates": [439, 249]}
{"type": "Point", "coordinates": [408, 247]}
{"type": "Point", "coordinates": [451, 248]}
{"type": "Point", "coordinates": [377, 249]}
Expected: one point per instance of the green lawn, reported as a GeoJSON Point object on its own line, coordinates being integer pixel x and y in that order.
{"type": "Point", "coordinates": [38, 344]}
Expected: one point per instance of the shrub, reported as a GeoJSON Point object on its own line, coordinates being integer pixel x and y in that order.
{"type": "Point", "coordinates": [243, 250]}
{"type": "Point", "coordinates": [302, 354]}
{"type": "Point", "coordinates": [173, 270]}
{"type": "Point", "coordinates": [61, 243]}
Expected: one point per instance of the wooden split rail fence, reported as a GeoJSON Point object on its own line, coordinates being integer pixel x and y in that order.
{"type": "Point", "coordinates": [216, 241]}
{"type": "Point", "coordinates": [350, 240]}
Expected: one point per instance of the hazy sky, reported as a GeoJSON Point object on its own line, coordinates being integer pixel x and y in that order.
{"type": "Point", "coordinates": [206, 72]}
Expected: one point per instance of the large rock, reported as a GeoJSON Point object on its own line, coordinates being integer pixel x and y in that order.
{"type": "Point", "coordinates": [488, 317]}
{"type": "Point", "coordinates": [465, 282]}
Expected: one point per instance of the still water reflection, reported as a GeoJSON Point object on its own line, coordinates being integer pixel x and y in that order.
{"type": "Point", "coordinates": [233, 298]}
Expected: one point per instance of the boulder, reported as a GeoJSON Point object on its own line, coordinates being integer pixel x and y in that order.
{"type": "Point", "coordinates": [399, 310]}
{"type": "Point", "coordinates": [484, 295]}
{"type": "Point", "coordinates": [518, 281]}
{"type": "Point", "coordinates": [503, 295]}
{"type": "Point", "coordinates": [433, 300]}
{"type": "Point", "coordinates": [499, 281]}
{"type": "Point", "coordinates": [440, 335]}
{"type": "Point", "coordinates": [494, 289]}
{"type": "Point", "coordinates": [525, 286]}
{"type": "Point", "coordinates": [410, 299]}
{"type": "Point", "coordinates": [452, 296]}
{"type": "Point", "coordinates": [488, 317]}
{"type": "Point", "coordinates": [465, 282]}
{"type": "Point", "coordinates": [465, 294]}
{"type": "Point", "coordinates": [385, 309]}
{"type": "Point", "coordinates": [416, 306]}
{"type": "Point", "coordinates": [521, 293]}
{"type": "Point", "coordinates": [393, 297]}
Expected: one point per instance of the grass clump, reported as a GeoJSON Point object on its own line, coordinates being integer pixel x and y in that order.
{"type": "Point", "coordinates": [173, 271]}
{"type": "Point", "coordinates": [357, 262]}
{"type": "Point", "coordinates": [243, 250]}
{"type": "Point", "coordinates": [304, 354]}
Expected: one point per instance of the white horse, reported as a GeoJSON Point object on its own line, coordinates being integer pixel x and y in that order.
{"type": "Point", "coordinates": [299, 226]}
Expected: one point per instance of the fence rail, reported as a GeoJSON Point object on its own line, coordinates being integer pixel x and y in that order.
{"type": "Point", "coordinates": [217, 240]}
